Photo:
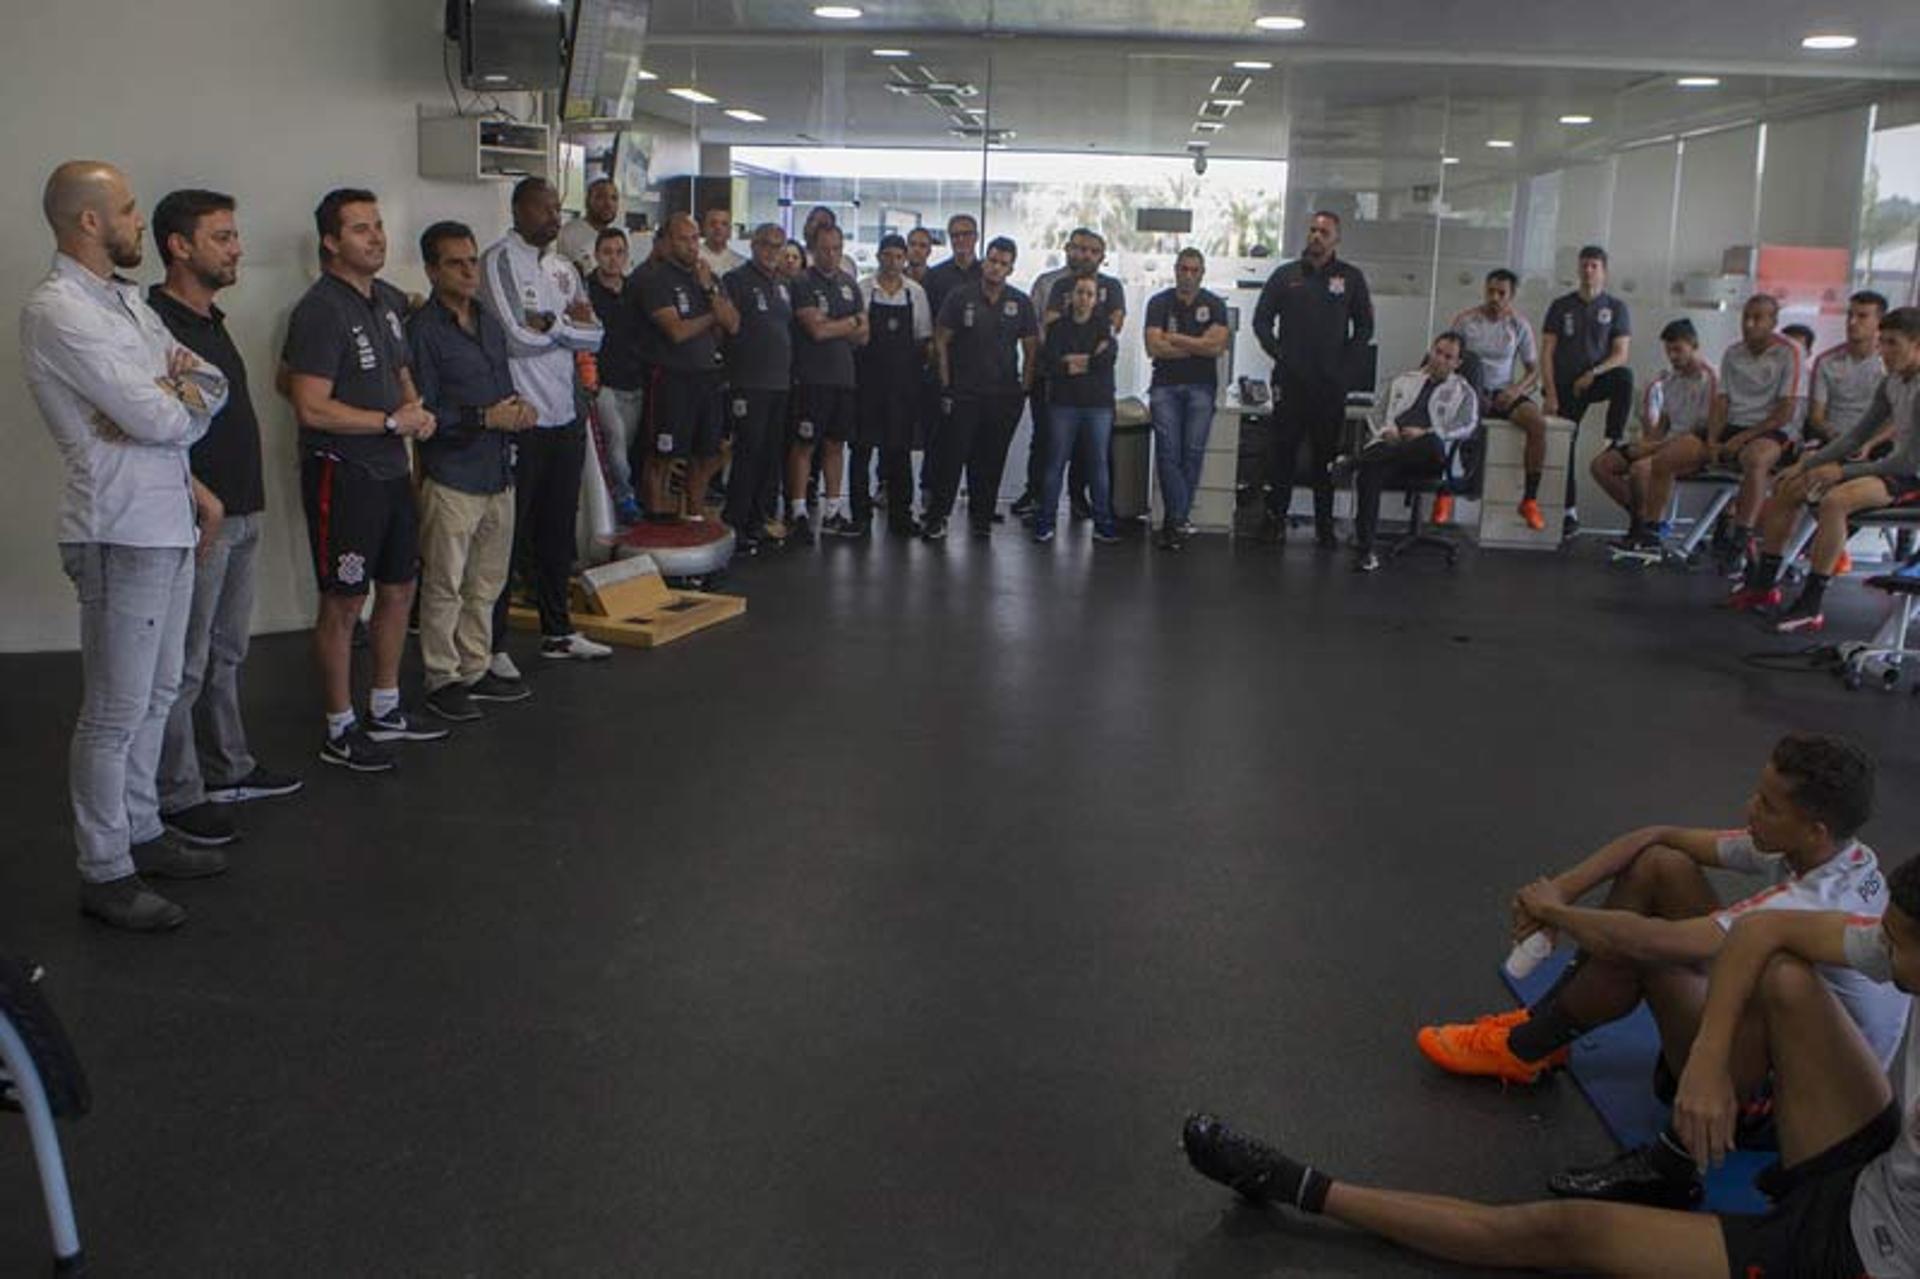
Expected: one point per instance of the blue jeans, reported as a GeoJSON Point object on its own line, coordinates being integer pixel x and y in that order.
{"type": "Point", "coordinates": [1089, 433]}
{"type": "Point", "coordinates": [1182, 420]}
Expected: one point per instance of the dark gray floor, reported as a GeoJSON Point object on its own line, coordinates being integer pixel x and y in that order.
{"type": "Point", "coordinates": [892, 929]}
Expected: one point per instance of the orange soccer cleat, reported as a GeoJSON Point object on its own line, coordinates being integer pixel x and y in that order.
{"type": "Point", "coordinates": [1530, 512]}
{"type": "Point", "coordinates": [1442, 509]}
{"type": "Point", "coordinates": [1481, 1049]}
{"type": "Point", "coordinates": [1844, 565]}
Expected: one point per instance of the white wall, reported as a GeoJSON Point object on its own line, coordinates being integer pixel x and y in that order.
{"type": "Point", "coordinates": [272, 101]}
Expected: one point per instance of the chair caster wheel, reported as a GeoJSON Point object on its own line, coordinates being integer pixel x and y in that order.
{"type": "Point", "coordinates": [1852, 681]}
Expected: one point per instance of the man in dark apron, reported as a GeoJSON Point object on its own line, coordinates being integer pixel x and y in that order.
{"type": "Point", "coordinates": [892, 372]}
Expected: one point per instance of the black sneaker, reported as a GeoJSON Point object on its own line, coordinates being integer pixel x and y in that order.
{"type": "Point", "coordinates": [168, 858]}
{"type": "Point", "coordinates": [1570, 525]}
{"type": "Point", "coordinates": [1325, 539]}
{"type": "Point", "coordinates": [980, 528]}
{"type": "Point", "coordinates": [261, 783]}
{"type": "Point", "coordinates": [1107, 536]}
{"type": "Point", "coordinates": [1081, 508]}
{"type": "Point", "coordinates": [1242, 1164]}
{"type": "Point", "coordinates": [1340, 470]}
{"type": "Point", "coordinates": [454, 703]}
{"type": "Point", "coordinates": [1639, 1176]}
{"type": "Point", "coordinates": [1366, 562]}
{"type": "Point", "coordinates": [1024, 504]}
{"type": "Point", "coordinates": [355, 750]}
{"type": "Point", "coordinates": [908, 527]}
{"type": "Point", "coordinates": [128, 903]}
{"type": "Point", "coordinates": [934, 529]}
{"type": "Point", "coordinates": [1169, 538]}
{"type": "Point", "coordinates": [394, 726]}
{"type": "Point", "coordinates": [800, 530]}
{"type": "Point", "coordinates": [491, 688]}
{"type": "Point", "coordinates": [838, 525]}
{"type": "Point", "coordinates": [205, 824]}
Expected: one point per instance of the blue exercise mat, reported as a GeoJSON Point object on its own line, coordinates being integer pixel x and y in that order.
{"type": "Point", "coordinates": [1613, 1067]}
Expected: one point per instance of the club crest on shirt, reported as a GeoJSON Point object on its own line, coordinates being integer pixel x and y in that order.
{"type": "Point", "coordinates": [1200, 314]}
{"type": "Point", "coordinates": [350, 569]}
{"type": "Point", "coordinates": [846, 293]}
{"type": "Point", "coordinates": [1337, 286]}
{"type": "Point", "coordinates": [1011, 307]}
{"type": "Point", "coordinates": [1605, 315]}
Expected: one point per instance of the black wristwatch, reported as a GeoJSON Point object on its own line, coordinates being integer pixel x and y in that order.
{"type": "Point", "coordinates": [390, 426]}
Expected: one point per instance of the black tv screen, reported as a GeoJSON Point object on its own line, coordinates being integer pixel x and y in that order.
{"type": "Point", "coordinates": [510, 44]}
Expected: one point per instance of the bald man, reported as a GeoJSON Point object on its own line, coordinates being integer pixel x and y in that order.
{"type": "Point", "coordinates": [124, 402]}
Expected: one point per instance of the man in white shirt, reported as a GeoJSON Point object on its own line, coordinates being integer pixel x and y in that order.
{"type": "Point", "coordinates": [716, 232]}
{"type": "Point", "coordinates": [1845, 377]}
{"type": "Point", "coordinates": [540, 301]}
{"type": "Point", "coordinates": [578, 237]}
{"type": "Point", "coordinates": [124, 402]}
{"type": "Point", "coordinates": [1502, 340]}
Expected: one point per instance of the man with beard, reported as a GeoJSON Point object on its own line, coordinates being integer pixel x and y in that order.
{"type": "Point", "coordinates": [580, 237]}
{"type": "Point", "coordinates": [686, 314]}
{"type": "Point", "coordinates": [124, 402]}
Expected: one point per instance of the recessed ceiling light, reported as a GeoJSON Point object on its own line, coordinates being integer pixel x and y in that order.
{"type": "Point", "coordinates": [1207, 126]}
{"type": "Point", "coordinates": [1449, 159]}
{"type": "Point", "coordinates": [1229, 103]}
{"type": "Point", "coordinates": [837, 12]}
{"type": "Point", "coordinates": [644, 74]}
{"type": "Point", "coordinates": [494, 79]}
{"type": "Point", "coordinates": [1253, 64]}
{"type": "Point", "coordinates": [1698, 82]}
{"type": "Point", "coordinates": [1500, 144]}
{"type": "Point", "coordinates": [745, 116]}
{"type": "Point", "coordinates": [1198, 145]}
{"type": "Point", "coordinates": [1576, 119]}
{"type": "Point", "coordinates": [694, 96]}
{"type": "Point", "coordinates": [1279, 22]}
{"type": "Point", "coordinates": [893, 53]}
{"type": "Point", "coordinates": [1829, 41]}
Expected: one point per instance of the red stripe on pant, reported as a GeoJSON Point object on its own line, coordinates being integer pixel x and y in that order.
{"type": "Point", "coordinates": [325, 504]}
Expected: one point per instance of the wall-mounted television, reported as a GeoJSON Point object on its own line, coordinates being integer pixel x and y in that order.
{"type": "Point", "coordinates": [509, 44]}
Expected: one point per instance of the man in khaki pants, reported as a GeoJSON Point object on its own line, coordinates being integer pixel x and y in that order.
{"type": "Point", "coordinates": [466, 499]}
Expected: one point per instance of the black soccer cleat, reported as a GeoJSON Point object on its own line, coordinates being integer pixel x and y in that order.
{"type": "Point", "coordinates": [1244, 1165]}
{"type": "Point", "coordinates": [1638, 1176]}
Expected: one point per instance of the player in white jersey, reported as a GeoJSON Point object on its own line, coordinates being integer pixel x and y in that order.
{"type": "Point", "coordinates": [1846, 376]}
{"type": "Point", "coordinates": [1845, 1195]}
{"type": "Point", "coordinates": [1502, 340]}
{"type": "Point", "coordinates": [1675, 406]}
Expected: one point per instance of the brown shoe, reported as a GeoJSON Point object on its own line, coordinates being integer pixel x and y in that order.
{"type": "Point", "coordinates": [128, 903]}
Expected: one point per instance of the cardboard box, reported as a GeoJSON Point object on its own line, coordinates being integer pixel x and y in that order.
{"type": "Point", "coordinates": [629, 604]}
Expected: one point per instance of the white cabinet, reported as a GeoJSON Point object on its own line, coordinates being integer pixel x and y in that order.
{"type": "Point", "coordinates": [465, 148]}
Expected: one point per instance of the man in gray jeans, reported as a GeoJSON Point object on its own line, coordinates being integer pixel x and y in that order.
{"type": "Point", "coordinates": [124, 402]}
{"type": "Point", "coordinates": [200, 245]}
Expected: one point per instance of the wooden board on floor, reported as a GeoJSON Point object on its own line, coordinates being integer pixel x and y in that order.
{"type": "Point", "coordinates": [627, 603]}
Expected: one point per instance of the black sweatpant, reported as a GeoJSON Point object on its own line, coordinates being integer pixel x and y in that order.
{"type": "Point", "coordinates": [975, 435]}
{"type": "Point", "coordinates": [1316, 410]}
{"type": "Point", "coordinates": [546, 501]}
{"type": "Point", "coordinates": [759, 421]}
{"type": "Point", "coordinates": [1390, 464]}
{"type": "Point", "coordinates": [1614, 388]}
{"type": "Point", "coordinates": [896, 473]}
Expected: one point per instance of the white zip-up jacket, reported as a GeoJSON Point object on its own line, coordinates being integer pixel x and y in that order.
{"type": "Point", "coordinates": [516, 279]}
{"type": "Point", "coordinates": [1453, 407]}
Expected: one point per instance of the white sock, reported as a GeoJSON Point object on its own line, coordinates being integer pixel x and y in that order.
{"type": "Point", "coordinates": [338, 723]}
{"type": "Point", "coordinates": [796, 510]}
{"type": "Point", "coordinates": [839, 505]}
{"type": "Point", "coordinates": [383, 701]}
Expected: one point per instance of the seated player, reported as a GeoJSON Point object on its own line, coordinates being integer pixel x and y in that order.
{"type": "Point", "coordinates": [1502, 340]}
{"type": "Point", "coordinates": [1846, 377]}
{"type": "Point", "coordinates": [1840, 485]}
{"type": "Point", "coordinates": [1662, 923]}
{"type": "Point", "coordinates": [1750, 427]}
{"type": "Point", "coordinates": [1676, 406]}
{"type": "Point", "coordinates": [1844, 1198]}
{"type": "Point", "coordinates": [1426, 410]}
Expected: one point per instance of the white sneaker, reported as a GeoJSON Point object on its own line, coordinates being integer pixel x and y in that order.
{"type": "Point", "coordinates": [503, 668]}
{"type": "Point", "coordinates": [576, 646]}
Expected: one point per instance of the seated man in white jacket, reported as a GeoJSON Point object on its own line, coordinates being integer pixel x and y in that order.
{"type": "Point", "coordinates": [1426, 410]}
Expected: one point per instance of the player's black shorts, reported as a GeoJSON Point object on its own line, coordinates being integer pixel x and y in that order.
{"type": "Point", "coordinates": [1903, 489]}
{"type": "Point", "coordinates": [362, 529]}
{"type": "Point", "coordinates": [823, 413]}
{"type": "Point", "coordinates": [1809, 1233]}
{"type": "Point", "coordinates": [684, 413]}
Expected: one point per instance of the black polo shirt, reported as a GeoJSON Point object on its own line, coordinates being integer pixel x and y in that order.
{"type": "Point", "coordinates": [1166, 312]}
{"type": "Point", "coordinates": [828, 363]}
{"type": "Point", "coordinates": [1109, 296]}
{"type": "Point", "coordinates": [1324, 317]}
{"type": "Point", "coordinates": [460, 374]}
{"type": "Point", "coordinates": [1584, 331]}
{"type": "Point", "coordinates": [983, 353]}
{"type": "Point", "coordinates": [1067, 336]}
{"type": "Point", "coordinates": [664, 283]}
{"type": "Point", "coordinates": [942, 280]}
{"type": "Point", "coordinates": [760, 355]}
{"type": "Point", "coordinates": [227, 458]}
{"type": "Point", "coordinates": [358, 343]}
{"type": "Point", "coordinates": [619, 357]}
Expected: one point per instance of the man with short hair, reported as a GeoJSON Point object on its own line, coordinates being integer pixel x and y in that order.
{"type": "Point", "coordinates": [1585, 342]}
{"type": "Point", "coordinates": [1501, 339]}
{"type": "Point", "coordinates": [962, 266]}
{"type": "Point", "coordinates": [1186, 332]}
{"type": "Point", "coordinates": [687, 312]}
{"type": "Point", "coordinates": [759, 357]}
{"type": "Point", "coordinates": [461, 366]}
{"type": "Point", "coordinates": [1676, 406]}
{"type": "Point", "coordinates": [200, 247]}
{"type": "Point", "coordinates": [619, 402]}
{"type": "Point", "coordinates": [1662, 924]}
{"type": "Point", "coordinates": [1424, 412]}
{"type": "Point", "coordinates": [891, 375]}
{"type": "Point", "coordinates": [716, 230]}
{"type": "Point", "coordinates": [1315, 320]}
{"type": "Point", "coordinates": [1039, 410]}
{"type": "Point", "coordinates": [919, 249]}
{"type": "Point", "coordinates": [580, 237]}
{"type": "Point", "coordinates": [1842, 481]}
{"type": "Point", "coordinates": [124, 402]}
{"type": "Point", "coordinates": [829, 322]}
{"type": "Point", "coordinates": [351, 384]}
{"type": "Point", "coordinates": [1846, 377]}
{"type": "Point", "coordinates": [548, 318]}
{"type": "Point", "coordinates": [985, 347]}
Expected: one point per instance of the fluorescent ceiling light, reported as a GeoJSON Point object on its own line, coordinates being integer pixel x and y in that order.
{"type": "Point", "coordinates": [745, 116]}
{"type": "Point", "coordinates": [1229, 103]}
{"type": "Point", "coordinates": [694, 96]}
{"type": "Point", "coordinates": [1576, 119]}
{"type": "Point", "coordinates": [1207, 126]}
{"type": "Point", "coordinates": [1449, 159]}
{"type": "Point", "coordinates": [1198, 145]}
{"type": "Point", "coordinates": [644, 74]}
{"type": "Point", "coordinates": [893, 53]}
{"type": "Point", "coordinates": [837, 12]}
{"type": "Point", "coordinates": [1500, 144]}
{"type": "Point", "coordinates": [1252, 64]}
{"type": "Point", "coordinates": [1698, 82]}
{"type": "Point", "coordinates": [1280, 23]}
{"type": "Point", "coordinates": [494, 79]}
{"type": "Point", "coordinates": [1829, 41]}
